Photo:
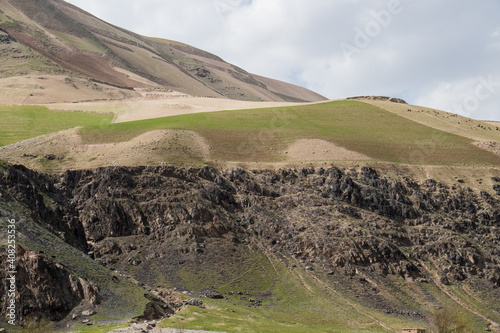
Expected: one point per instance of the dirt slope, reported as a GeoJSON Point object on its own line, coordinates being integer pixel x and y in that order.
{"type": "Point", "coordinates": [75, 42]}
{"type": "Point", "coordinates": [154, 147]}
{"type": "Point", "coordinates": [154, 104]}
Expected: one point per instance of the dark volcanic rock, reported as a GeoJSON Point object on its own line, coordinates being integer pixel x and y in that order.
{"type": "Point", "coordinates": [7, 39]}
{"type": "Point", "coordinates": [354, 223]}
{"type": "Point", "coordinates": [44, 289]}
{"type": "Point", "coordinates": [47, 204]}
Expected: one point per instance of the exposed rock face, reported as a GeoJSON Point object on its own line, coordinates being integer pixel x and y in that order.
{"type": "Point", "coordinates": [352, 223]}
{"type": "Point", "coordinates": [6, 39]}
{"type": "Point", "coordinates": [207, 292]}
{"type": "Point", "coordinates": [381, 98]}
{"type": "Point", "coordinates": [32, 189]}
{"type": "Point", "coordinates": [44, 288]}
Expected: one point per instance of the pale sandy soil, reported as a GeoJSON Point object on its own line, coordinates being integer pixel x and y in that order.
{"type": "Point", "coordinates": [470, 128]}
{"type": "Point", "coordinates": [66, 93]}
{"type": "Point", "coordinates": [154, 147]}
{"type": "Point", "coordinates": [135, 77]}
{"type": "Point", "coordinates": [163, 104]}
{"type": "Point", "coordinates": [47, 89]}
{"type": "Point", "coordinates": [321, 150]}
{"type": "Point", "coordinates": [493, 123]}
{"type": "Point", "coordinates": [493, 146]}
{"type": "Point", "coordinates": [158, 330]}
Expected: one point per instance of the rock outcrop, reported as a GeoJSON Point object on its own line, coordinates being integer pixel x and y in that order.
{"type": "Point", "coordinates": [381, 98]}
{"type": "Point", "coordinates": [358, 225]}
{"type": "Point", "coordinates": [44, 289]}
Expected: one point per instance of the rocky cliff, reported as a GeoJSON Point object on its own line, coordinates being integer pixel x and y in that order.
{"type": "Point", "coordinates": [44, 288]}
{"type": "Point", "coordinates": [357, 230]}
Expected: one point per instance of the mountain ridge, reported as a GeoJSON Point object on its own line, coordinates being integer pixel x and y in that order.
{"type": "Point", "coordinates": [79, 42]}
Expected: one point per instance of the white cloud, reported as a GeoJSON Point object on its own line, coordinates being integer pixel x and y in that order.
{"type": "Point", "coordinates": [472, 97]}
{"type": "Point", "coordinates": [414, 53]}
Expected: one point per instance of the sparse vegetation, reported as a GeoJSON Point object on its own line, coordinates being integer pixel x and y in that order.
{"type": "Point", "coordinates": [99, 47]}
{"type": "Point", "coordinates": [18, 59]}
{"type": "Point", "coordinates": [444, 320]}
{"type": "Point", "coordinates": [127, 299]}
{"type": "Point", "coordinates": [37, 325]}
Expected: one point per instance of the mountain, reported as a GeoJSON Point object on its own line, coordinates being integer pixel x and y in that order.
{"type": "Point", "coordinates": [148, 184]}
{"type": "Point", "coordinates": [364, 215]}
{"type": "Point", "coordinates": [52, 37]}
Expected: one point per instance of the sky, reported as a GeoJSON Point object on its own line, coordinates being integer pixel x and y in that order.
{"type": "Point", "coordinates": [443, 54]}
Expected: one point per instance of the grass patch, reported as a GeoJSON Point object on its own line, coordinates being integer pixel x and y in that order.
{"type": "Point", "coordinates": [5, 20]}
{"type": "Point", "coordinates": [295, 302]}
{"type": "Point", "coordinates": [263, 134]}
{"type": "Point", "coordinates": [24, 122]}
{"type": "Point", "coordinates": [473, 304]}
{"type": "Point", "coordinates": [442, 299]}
{"type": "Point", "coordinates": [82, 43]}
{"type": "Point", "coordinates": [252, 273]}
{"type": "Point", "coordinates": [255, 274]}
{"type": "Point", "coordinates": [25, 61]}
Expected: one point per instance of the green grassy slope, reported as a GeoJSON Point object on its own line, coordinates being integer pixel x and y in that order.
{"type": "Point", "coordinates": [23, 122]}
{"type": "Point", "coordinates": [263, 134]}
{"type": "Point", "coordinates": [292, 301]}
{"type": "Point", "coordinates": [296, 300]}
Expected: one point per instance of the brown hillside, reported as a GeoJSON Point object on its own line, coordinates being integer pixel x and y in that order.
{"type": "Point", "coordinates": [77, 43]}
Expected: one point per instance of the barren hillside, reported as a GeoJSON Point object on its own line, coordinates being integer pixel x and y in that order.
{"type": "Point", "coordinates": [54, 37]}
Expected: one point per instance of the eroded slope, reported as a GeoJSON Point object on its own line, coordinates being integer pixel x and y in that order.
{"type": "Point", "coordinates": [393, 249]}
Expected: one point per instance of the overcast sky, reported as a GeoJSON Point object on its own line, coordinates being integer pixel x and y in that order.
{"type": "Point", "coordinates": [438, 53]}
